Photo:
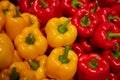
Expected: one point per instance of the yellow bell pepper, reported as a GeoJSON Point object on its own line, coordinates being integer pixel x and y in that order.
{"type": "Point", "coordinates": [6, 51]}
{"type": "Point", "coordinates": [15, 23]}
{"type": "Point", "coordinates": [60, 32]}
{"type": "Point", "coordinates": [38, 66]}
{"type": "Point", "coordinates": [2, 20]}
{"type": "Point", "coordinates": [7, 6]}
{"type": "Point", "coordinates": [31, 43]}
{"type": "Point", "coordinates": [61, 64]}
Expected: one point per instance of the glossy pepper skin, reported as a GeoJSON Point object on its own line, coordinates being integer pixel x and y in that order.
{"type": "Point", "coordinates": [25, 5]}
{"type": "Point", "coordinates": [6, 52]}
{"type": "Point", "coordinates": [30, 42]}
{"type": "Point", "coordinates": [46, 9]}
{"type": "Point", "coordinates": [15, 23]}
{"type": "Point", "coordinates": [91, 66]}
{"type": "Point", "coordinates": [112, 76]}
{"type": "Point", "coordinates": [61, 60]}
{"type": "Point", "coordinates": [62, 32]}
{"type": "Point", "coordinates": [113, 57]}
{"type": "Point", "coordinates": [85, 22]}
{"type": "Point", "coordinates": [105, 35]}
{"type": "Point", "coordinates": [69, 7]}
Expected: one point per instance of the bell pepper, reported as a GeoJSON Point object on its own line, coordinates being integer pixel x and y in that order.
{"type": "Point", "coordinates": [38, 66]}
{"type": "Point", "coordinates": [15, 23]}
{"type": "Point", "coordinates": [46, 9]}
{"type": "Point", "coordinates": [2, 20]}
{"type": "Point", "coordinates": [7, 6]}
{"type": "Point", "coordinates": [62, 32]}
{"type": "Point", "coordinates": [105, 35]}
{"type": "Point", "coordinates": [85, 22]}
{"type": "Point", "coordinates": [69, 7]}
{"type": "Point", "coordinates": [4, 74]}
{"type": "Point", "coordinates": [92, 67]}
{"type": "Point", "coordinates": [61, 64]}
{"type": "Point", "coordinates": [116, 7]}
{"type": "Point", "coordinates": [79, 50]}
{"type": "Point", "coordinates": [6, 51]}
{"type": "Point", "coordinates": [30, 42]}
{"type": "Point", "coordinates": [111, 76]}
{"type": "Point", "coordinates": [113, 57]}
{"type": "Point", "coordinates": [25, 5]}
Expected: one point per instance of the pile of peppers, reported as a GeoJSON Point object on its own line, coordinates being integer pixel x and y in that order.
{"type": "Point", "coordinates": [59, 39]}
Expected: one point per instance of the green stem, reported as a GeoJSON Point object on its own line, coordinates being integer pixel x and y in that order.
{"type": "Point", "coordinates": [31, 2]}
{"type": "Point", "coordinates": [95, 8]}
{"type": "Point", "coordinates": [30, 39]}
{"type": "Point", "coordinates": [14, 74]}
{"type": "Point", "coordinates": [44, 4]}
{"type": "Point", "coordinates": [93, 63]}
{"type": "Point", "coordinates": [76, 4]}
{"type": "Point", "coordinates": [34, 64]}
{"type": "Point", "coordinates": [17, 13]}
{"type": "Point", "coordinates": [5, 11]}
{"type": "Point", "coordinates": [85, 21]}
{"type": "Point", "coordinates": [63, 27]}
{"type": "Point", "coordinates": [111, 18]}
{"type": "Point", "coordinates": [64, 57]}
{"type": "Point", "coordinates": [116, 55]}
{"type": "Point", "coordinates": [111, 35]}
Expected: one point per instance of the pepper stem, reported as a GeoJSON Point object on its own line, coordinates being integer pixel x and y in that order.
{"type": "Point", "coordinates": [44, 4]}
{"type": "Point", "coordinates": [110, 35]}
{"type": "Point", "coordinates": [95, 8]}
{"type": "Point", "coordinates": [111, 18]}
{"type": "Point", "coordinates": [30, 39]}
{"type": "Point", "coordinates": [93, 63]}
{"type": "Point", "coordinates": [17, 13]}
{"type": "Point", "coordinates": [63, 27]}
{"type": "Point", "coordinates": [34, 64]}
{"type": "Point", "coordinates": [76, 4]}
{"type": "Point", "coordinates": [116, 55]}
{"type": "Point", "coordinates": [5, 11]}
{"type": "Point", "coordinates": [85, 21]}
{"type": "Point", "coordinates": [64, 57]}
{"type": "Point", "coordinates": [14, 74]}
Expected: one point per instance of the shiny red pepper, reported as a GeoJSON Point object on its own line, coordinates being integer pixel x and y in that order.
{"type": "Point", "coordinates": [25, 5]}
{"type": "Point", "coordinates": [105, 35]}
{"type": "Point", "coordinates": [85, 21]}
{"type": "Point", "coordinates": [46, 9]}
{"type": "Point", "coordinates": [92, 67]}
{"type": "Point", "coordinates": [111, 76]}
{"type": "Point", "coordinates": [116, 7]}
{"type": "Point", "coordinates": [69, 7]}
{"type": "Point", "coordinates": [78, 49]}
{"type": "Point", "coordinates": [113, 57]}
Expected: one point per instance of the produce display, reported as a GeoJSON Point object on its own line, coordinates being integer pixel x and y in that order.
{"type": "Point", "coordinates": [59, 39]}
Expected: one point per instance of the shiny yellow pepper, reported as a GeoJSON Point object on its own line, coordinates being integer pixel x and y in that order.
{"type": "Point", "coordinates": [38, 66]}
{"type": "Point", "coordinates": [60, 32]}
{"type": "Point", "coordinates": [61, 64]}
{"type": "Point", "coordinates": [30, 43]}
{"type": "Point", "coordinates": [15, 23]}
{"type": "Point", "coordinates": [6, 51]}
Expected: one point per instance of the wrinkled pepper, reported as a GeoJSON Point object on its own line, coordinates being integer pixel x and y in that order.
{"type": "Point", "coordinates": [91, 66]}
{"type": "Point", "coordinates": [62, 32]}
{"type": "Point", "coordinates": [6, 51]}
{"type": "Point", "coordinates": [46, 9]}
{"type": "Point", "coordinates": [38, 66]}
{"type": "Point", "coordinates": [113, 57]}
{"type": "Point", "coordinates": [105, 35]}
{"type": "Point", "coordinates": [69, 7]}
{"type": "Point", "coordinates": [30, 42]}
{"type": "Point", "coordinates": [15, 23]}
{"type": "Point", "coordinates": [85, 22]}
{"type": "Point", "coordinates": [61, 64]}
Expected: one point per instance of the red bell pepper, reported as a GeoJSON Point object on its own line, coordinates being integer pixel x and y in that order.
{"type": "Point", "coordinates": [106, 3]}
{"type": "Point", "coordinates": [116, 7]}
{"type": "Point", "coordinates": [105, 35]}
{"type": "Point", "coordinates": [85, 22]}
{"type": "Point", "coordinates": [46, 9]}
{"type": "Point", "coordinates": [113, 57]}
{"type": "Point", "coordinates": [92, 67]}
{"type": "Point", "coordinates": [25, 5]}
{"type": "Point", "coordinates": [111, 76]}
{"type": "Point", "coordinates": [78, 49]}
{"type": "Point", "coordinates": [69, 7]}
